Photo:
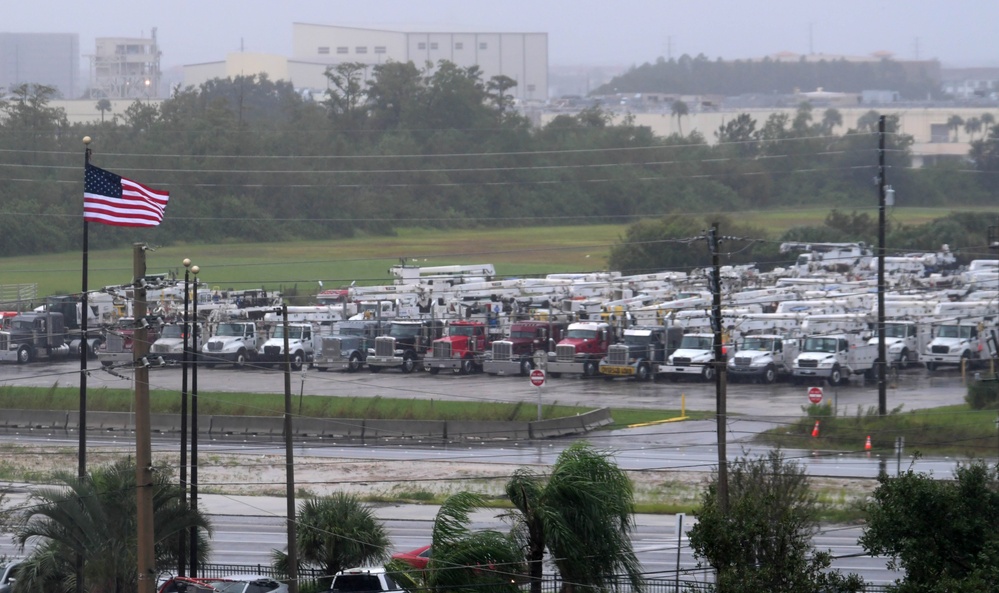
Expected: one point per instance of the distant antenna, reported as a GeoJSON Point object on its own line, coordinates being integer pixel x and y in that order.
{"type": "Point", "coordinates": [811, 48]}
{"type": "Point", "coordinates": [241, 48]}
{"type": "Point", "coordinates": [915, 47]}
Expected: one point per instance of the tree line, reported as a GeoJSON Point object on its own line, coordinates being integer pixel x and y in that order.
{"type": "Point", "coordinates": [393, 145]}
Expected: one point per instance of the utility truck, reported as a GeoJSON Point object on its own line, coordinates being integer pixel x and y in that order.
{"type": "Point", "coordinates": [300, 349]}
{"type": "Point", "coordinates": [347, 349]}
{"type": "Point", "coordinates": [904, 341]}
{"type": "Point", "coordinates": [694, 358]}
{"type": "Point", "coordinates": [235, 342]}
{"type": "Point", "coordinates": [835, 357]}
{"type": "Point", "coordinates": [957, 342]}
{"type": "Point", "coordinates": [580, 352]}
{"type": "Point", "coordinates": [515, 354]}
{"type": "Point", "coordinates": [463, 349]}
{"type": "Point", "coordinates": [406, 345]}
{"type": "Point", "coordinates": [640, 352]}
{"type": "Point", "coordinates": [119, 340]}
{"type": "Point", "coordinates": [170, 345]}
{"type": "Point", "coordinates": [763, 358]}
{"type": "Point", "coordinates": [54, 331]}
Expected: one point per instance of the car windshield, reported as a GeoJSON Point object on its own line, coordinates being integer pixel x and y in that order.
{"type": "Point", "coordinates": [404, 330]}
{"type": "Point", "coordinates": [820, 345]}
{"type": "Point", "coordinates": [757, 344]}
{"type": "Point", "coordinates": [581, 334]}
{"type": "Point", "coordinates": [696, 343]}
{"type": "Point", "coordinates": [229, 329]}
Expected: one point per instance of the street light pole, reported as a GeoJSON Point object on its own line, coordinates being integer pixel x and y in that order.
{"type": "Point", "coordinates": [186, 327]}
{"type": "Point", "coordinates": [194, 432]}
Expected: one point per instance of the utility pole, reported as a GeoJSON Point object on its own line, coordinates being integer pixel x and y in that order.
{"type": "Point", "coordinates": [882, 351]}
{"type": "Point", "coordinates": [187, 328]}
{"type": "Point", "coordinates": [289, 463]}
{"type": "Point", "coordinates": [146, 556]}
{"type": "Point", "coordinates": [720, 370]}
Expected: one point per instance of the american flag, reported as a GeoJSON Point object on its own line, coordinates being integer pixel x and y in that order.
{"type": "Point", "coordinates": [112, 199]}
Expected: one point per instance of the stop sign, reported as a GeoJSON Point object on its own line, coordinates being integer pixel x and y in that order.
{"type": "Point", "coordinates": [537, 377]}
{"type": "Point", "coordinates": [815, 394]}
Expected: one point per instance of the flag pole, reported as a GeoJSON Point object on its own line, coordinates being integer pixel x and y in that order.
{"type": "Point", "coordinates": [84, 348]}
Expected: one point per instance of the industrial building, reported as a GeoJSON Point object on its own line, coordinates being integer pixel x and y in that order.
{"type": "Point", "coordinates": [521, 56]}
{"type": "Point", "coordinates": [125, 68]}
{"type": "Point", "coordinates": [51, 59]}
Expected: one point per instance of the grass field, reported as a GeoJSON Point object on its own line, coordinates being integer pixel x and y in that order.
{"type": "Point", "coordinates": [299, 266]}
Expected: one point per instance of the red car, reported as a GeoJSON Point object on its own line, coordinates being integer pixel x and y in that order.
{"type": "Point", "coordinates": [417, 558]}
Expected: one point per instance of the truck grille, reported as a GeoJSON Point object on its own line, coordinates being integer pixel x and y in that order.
{"type": "Point", "coordinates": [4, 341]}
{"type": "Point", "coordinates": [331, 349]}
{"type": "Point", "coordinates": [565, 353]}
{"type": "Point", "coordinates": [808, 364]}
{"type": "Point", "coordinates": [940, 349]}
{"type": "Point", "coordinates": [385, 346]}
{"type": "Point", "coordinates": [681, 361]}
{"type": "Point", "coordinates": [743, 361]}
{"type": "Point", "coordinates": [272, 350]}
{"type": "Point", "coordinates": [214, 346]}
{"type": "Point", "coordinates": [160, 349]}
{"type": "Point", "coordinates": [442, 350]}
{"type": "Point", "coordinates": [115, 343]}
{"type": "Point", "coordinates": [502, 350]}
{"type": "Point", "coordinates": [618, 355]}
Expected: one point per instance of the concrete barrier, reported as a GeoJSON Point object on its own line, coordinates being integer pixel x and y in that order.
{"type": "Point", "coordinates": [258, 425]}
{"type": "Point", "coordinates": [165, 423]}
{"type": "Point", "coordinates": [403, 429]}
{"type": "Point", "coordinates": [33, 419]}
{"type": "Point", "coordinates": [596, 418]}
{"type": "Point", "coordinates": [488, 430]}
{"type": "Point", "coordinates": [556, 427]}
{"type": "Point", "coordinates": [108, 421]}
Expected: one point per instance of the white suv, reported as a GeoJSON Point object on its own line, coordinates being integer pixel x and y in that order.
{"type": "Point", "coordinates": [363, 580]}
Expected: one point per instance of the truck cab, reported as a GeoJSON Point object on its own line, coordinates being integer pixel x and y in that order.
{"type": "Point", "coordinates": [638, 355]}
{"type": "Point", "coordinates": [35, 335]}
{"type": "Point", "coordinates": [119, 340]}
{"type": "Point", "coordinates": [299, 345]}
{"type": "Point", "coordinates": [763, 358]}
{"type": "Point", "coordinates": [462, 349]}
{"type": "Point", "coordinates": [585, 343]}
{"type": "Point", "coordinates": [515, 354]}
{"type": "Point", "coordinates": [694, 358]}
{"type": "Point", "coordinates": [955, 343]}
{"type": "Point", "coordinates": [348, 347]}
{"type": "Point", "coordinates": [904, 341]}
{"type": "Point", "coordinates": [834, 357]}
{"type": "Point", "coordinates": [406, 345]}
{"type": "Point", "coordinates": [234, 342]}
{"type": "Point", "coordinates": [170, 344]}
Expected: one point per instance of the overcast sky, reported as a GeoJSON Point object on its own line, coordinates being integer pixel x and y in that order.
{"type": "Point", "coordinates": [580, 32]}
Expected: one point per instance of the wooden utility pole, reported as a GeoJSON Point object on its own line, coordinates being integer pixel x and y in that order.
{"type": "Point", "coordinates": [882, 349]}
{"type": "Point", "coordinates": [721, 385]}
{"type": "Point", "coordinates": [289, 463]}
{"type": "Point", "coordinates": [146, 556]}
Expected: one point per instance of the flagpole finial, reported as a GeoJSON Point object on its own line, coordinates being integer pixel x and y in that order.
{"type": "Point", "coordinates": [86, 140]}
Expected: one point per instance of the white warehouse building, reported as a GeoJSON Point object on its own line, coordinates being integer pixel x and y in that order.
{"type": "Point", "coordinates": [521, 56]}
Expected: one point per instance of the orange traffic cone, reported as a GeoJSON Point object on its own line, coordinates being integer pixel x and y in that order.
{"type": "Point", "coordinates": [815, 431]}
{"type": "Point", "coordinates": [867, 445]}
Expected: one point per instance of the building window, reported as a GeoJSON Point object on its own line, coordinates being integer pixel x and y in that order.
{"type": "Point", "coordinates": [361, 49]}
{"type": "Point", "coordinates": [324, 50]}
{"type": "Point", "coordinates": [459, 45]}
{"type": "Point", "coordinates": [421, 45]}
{"type": "Point", "coordinates": [342, 49]}
{"type": "Point", "coordinates": [483, 45]}
{"type": "Point", "coordinates": [379, 49]}
{"type": "Point", "coordinates": [433, 45]}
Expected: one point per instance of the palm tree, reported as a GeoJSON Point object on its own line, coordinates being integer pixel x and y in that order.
{"type": "Point", "coordinates": [337, 532]}
{"type": "Point", "coordinates": [679, 109]}
{"type": "Point", "coordinates": [830, 119]}
{"type": "Point", "coordinates": [583, 514]}
{"type": "Point", "coordinates": [954, 124]}
{"type": "Point", "coordinates": [465, 560]}
{"type": "Point", "coordinates": [103, 105]}
{"type": "Point", "coordinates": [95, 518]}
{"type": "Point", "coordinates": [972, 126]}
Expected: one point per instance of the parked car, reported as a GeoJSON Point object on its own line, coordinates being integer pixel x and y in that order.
{"type": "Point", "coordinates": [249, 583]}
{"type": "Point", "coordinates": [188, 585]}
{"type": "Point", "coordinates": [417, 558]}
{"type": "Point", "coordinates": [7, 575]}
{"type": "Point", "coordinates": [363, 580]}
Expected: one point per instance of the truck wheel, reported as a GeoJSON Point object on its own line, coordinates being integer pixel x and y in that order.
{"type": "Point", "coordinates": [903, 359]}
{"type": "Point", "coordinates": [871, 374]}
{"type": "Point", "coordinates": [95, 348]}
{"type": "Point", "coordinates": [354, 363]}
{"type": "Point", "coordinates": [931, 366]}
{"type": "Point", "coordinates": [642, 372]}
{"type": "Point", "coordinates": [297, 360]}
{"type": "Point", "coordinates": [835, 377]}
{"type": "Point", "coordinates": [708, 374]}
{"type": "Point", "coordinates": [467, 366]}
{"type": "Point", "coordinates": [526, 366]}
{"type": "Point", "coordinates": [23, 355]}
{"type": "Point", "coordinates": [240, 359]}
{"type": "Point", "coordinates": [408, 363]}
{"type": "Point", "coordinates": [769, 375]}
{"type": "Point", "coordinates": [433, 370]}
{"type": "Point", "coordinates": [589, 368]}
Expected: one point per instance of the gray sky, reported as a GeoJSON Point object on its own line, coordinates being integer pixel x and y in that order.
{"type": "Point", "coordinates": [580, 32]}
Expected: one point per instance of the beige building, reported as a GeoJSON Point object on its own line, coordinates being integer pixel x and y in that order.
{"type": "Point", "coordinates": [520, 56]}
{"type": "Point", "coordinates": [125, 68]}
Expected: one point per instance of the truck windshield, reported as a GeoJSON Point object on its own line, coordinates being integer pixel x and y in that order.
{"type": "Point", "coordinates": [893, 330]}
{"type": "Point", "coordinates": [581, 334]}
{"type": "Point", "coordinates": [294, 333]}
{"type": "Point", "coordinates": [404, 330]}
{"type": "Point", "coordinates": [22, 325]}
{"type": "Point", "coordinates": [820, 345]}
{"type": "Point", "coordinates": [522, 333]}
{"type": "Point", "coordinates": [632, 340]}
{"type": "Point", "coordinates": [172, 331]}
{"type": "Point", "coordinates": [461, 330]}
{"type": "Point", "coordinates": [697, 343]}
{"type": "Point", "coordinates": [230, 329]}
{"type": "Point", "coordinates": [954, 331]}
{"type": "Point", "coordinates": [757, 344]}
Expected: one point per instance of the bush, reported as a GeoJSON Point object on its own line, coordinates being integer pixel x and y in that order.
{"type": "Point", "coordinates": [983, 394]}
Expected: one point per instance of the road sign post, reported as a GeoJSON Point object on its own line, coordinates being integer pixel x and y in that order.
{"type": "Point", "coordinates": [538, 379]}
{"type": "Point", "coordinates": [815, 395]}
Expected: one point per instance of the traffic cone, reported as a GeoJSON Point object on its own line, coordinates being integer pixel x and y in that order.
{"type": "Point", "coordinates": [815, 431]}
{"type": "Point", "coordinates": [867, 445]}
